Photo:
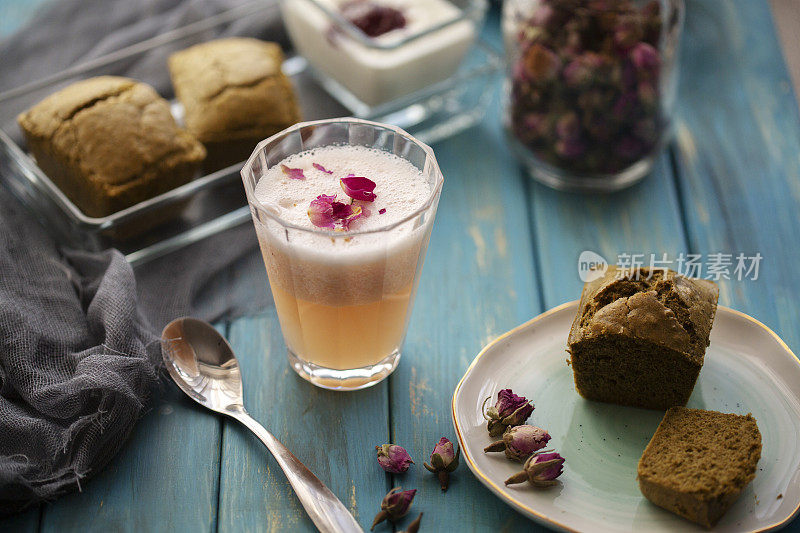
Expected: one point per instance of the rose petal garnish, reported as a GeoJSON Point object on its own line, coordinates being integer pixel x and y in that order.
{"type": "Point", "coordinates": [293, 173]}
{"type": "Point", "coordinates": [358, 188]}
{"type": "Point", "coordinates": [326, 212]}
{"type": "Point", "coordinates": [320, 211]}
{"type": "Point", "coordinates": [381, 211]}
{"type": "Point", "coordinates": [355, 212]}
{"type": "Point", "coordinates": [320, 167]}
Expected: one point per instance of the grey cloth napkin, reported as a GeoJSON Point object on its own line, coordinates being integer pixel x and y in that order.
{"type": "Point", "coordinates": [78, 355]}
{"type": "Point", "coordinates": [75, 373]}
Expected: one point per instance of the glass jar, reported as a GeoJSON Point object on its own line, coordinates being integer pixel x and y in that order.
{"type": "Point", "coordinates": [590, 88]}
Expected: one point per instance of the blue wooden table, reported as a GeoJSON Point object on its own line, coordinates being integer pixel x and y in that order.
{"type": "Point", "coordinates": [503, 250]}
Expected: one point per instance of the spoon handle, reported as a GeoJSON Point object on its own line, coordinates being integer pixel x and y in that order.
{"type": "Point", "coordinates": [323, 507]}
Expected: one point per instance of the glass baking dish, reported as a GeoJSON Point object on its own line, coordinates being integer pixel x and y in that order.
{"type": "Point", "coordinates": [216, 201]}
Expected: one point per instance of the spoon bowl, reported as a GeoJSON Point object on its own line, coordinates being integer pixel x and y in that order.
{"type": "Point", "coordinates": [201, 362]}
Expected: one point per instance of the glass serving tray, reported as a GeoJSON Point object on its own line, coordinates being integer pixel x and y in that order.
{"type": "Point", "coordinates": [216, 201]}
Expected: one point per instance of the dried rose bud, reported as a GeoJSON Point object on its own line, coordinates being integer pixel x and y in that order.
{"type": "Point", "coordinates": [393, 458]}
{"type": "Point", "coordinates": [543, 15]}
{"type": "Point", "coordinates": [444, 460]}
{"type": "Point", "coordinates": [570, 148]}
{"type": "Point", "coordinates": [413, 527]}
{"type": "Point", "coordinates": [540, 470]}
{"type": "Point", "coordinates": [624, 104]}
{"type": "Point", "coordinates": [574, 42]}
{"type": "Point", "coordinates": [358, 188]}
{"type": "Point", "coordinates": [593, 100]}
{"type": "Point", "coordinates": [394, 505]}
{"type": "Point", "coordinates": [645, 58]}
{"type": "Point", "coordinates": [651, 13]}
{"type": "Point", "coordinates": [568, 126]}
{"type": "Point", "coordinates": [541, 63]}
{"type": "Point", "coordinates": [509, 410]}
{"type": "Point", "coordinates": [583, 69]}
{"type": "Point", "coordinates": [519, 442]}
{"type": "Point", "coordinates": [648, 95]}
{"type": "Point", "coordinates": [652, 9]}
{"type": "Point", "coordinates": [599, 5]}
{"type": "Point", "coordinates": [536, 123]}
{"type": "Point", "coordinates": [628, 32]}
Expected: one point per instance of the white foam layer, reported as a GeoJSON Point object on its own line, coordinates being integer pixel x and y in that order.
{"type": "Point", "coordinates": [400, 187]}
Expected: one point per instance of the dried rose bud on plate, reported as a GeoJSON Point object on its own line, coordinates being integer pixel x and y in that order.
{"type": "Point", "coordinates": [519, 442]}
{"type": "Point", "coordinates": [509, 410]}
{"type": "Point", "coordinates": [540, 470]}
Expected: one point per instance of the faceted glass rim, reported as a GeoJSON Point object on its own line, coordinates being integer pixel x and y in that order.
{"type": "Point", "coordinates": [247, 171]}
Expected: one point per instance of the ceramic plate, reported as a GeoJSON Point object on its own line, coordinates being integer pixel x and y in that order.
{"type": "Point", "coordinates": [747, 369]}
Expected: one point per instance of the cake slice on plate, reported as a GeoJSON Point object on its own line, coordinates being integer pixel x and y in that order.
{"type": "Point", "coordinates": [698, 462]}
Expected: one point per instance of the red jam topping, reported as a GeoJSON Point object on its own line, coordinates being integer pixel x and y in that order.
{"type": "Point", "coordinates": [372, 18]}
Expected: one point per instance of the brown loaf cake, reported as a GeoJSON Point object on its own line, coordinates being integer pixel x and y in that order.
{"type": "Point", "coordinates": [698, 462]}
{"type": "Point", "coordinates": [110, 142]}
{"type": "Point", "coordinates": [641, 342]}
{"type": "Point", "coordinates": [234, 95]}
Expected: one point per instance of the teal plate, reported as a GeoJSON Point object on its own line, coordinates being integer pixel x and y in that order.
{"type": "Point", "coordinates": [748, 369]}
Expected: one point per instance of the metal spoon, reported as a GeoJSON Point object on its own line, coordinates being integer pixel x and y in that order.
{"type": "Point", "coordinates": [202, 363]}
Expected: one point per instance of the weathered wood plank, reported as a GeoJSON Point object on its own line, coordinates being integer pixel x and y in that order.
{"type": "Point", "coordinates": [333, 433]}
{"type": "Point", "coordinates": [644, 219]}
{"type": "Point", "coordinates": [164, 479]}
{"type": "Point", "coordinates": [737, 155]}
{"type": "Point", "coordinates": [478, 281]}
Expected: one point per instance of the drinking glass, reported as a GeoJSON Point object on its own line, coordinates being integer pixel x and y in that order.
{"type": "Point", "coordinates": [343, 298]}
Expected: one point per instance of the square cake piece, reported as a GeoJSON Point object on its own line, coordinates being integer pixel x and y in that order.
{"type": "Point", "coordinates": [698, 462]}
{"type": "Point", "coordinates": [234, 95]}
{"type": "Point", "coordinates": [640, 336]}
{"type": "Point", "coordinates": [109, 143]}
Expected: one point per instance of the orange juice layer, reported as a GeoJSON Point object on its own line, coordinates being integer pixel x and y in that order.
{"type": "Point", "coordinates": [342, 337]}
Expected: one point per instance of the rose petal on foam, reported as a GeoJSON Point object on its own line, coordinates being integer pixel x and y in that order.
{"type": "Point", "coordinates": [381, 211]}
{"type": "Point", "coordinates": [355, 212]}
{"type": "Point", "coordinates": [358, 188]}
{"type": "Point", "coordinates": [293, 173]}
{"type": "Point", "coordinates": [326, 212]}
{"type": "Point", "coordinates": [341, 211]}
{"type": "Point", "coordinates": [321, 168]}
{"type": "Point", "coordinates": [320, 211]}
